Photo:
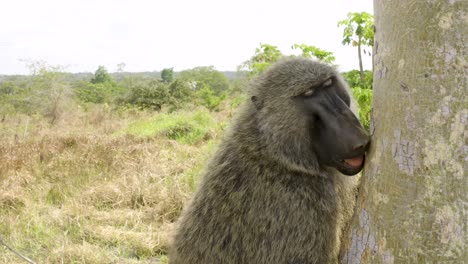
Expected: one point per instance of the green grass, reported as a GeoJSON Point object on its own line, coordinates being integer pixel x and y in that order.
{"type": "Point", "coordinates": [184, 127]}
{"type": "Point", "coordinates": [100, 192]}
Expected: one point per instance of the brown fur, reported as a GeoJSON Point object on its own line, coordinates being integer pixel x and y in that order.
{"type": "Point", "coordinates": [264, 198]}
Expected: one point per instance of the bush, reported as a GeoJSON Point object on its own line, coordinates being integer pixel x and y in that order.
{"type": "Point", "coordinates": [101, 76]}
{"type": "Point", "coordinates": [189, 128]}
{"type": "Point", "coordinates": [206, 76]}
{"type": "Point", "coordinates": [15, 103]}
{"type": "Point", "coordinates": [92, 93]}
{"type": "Point", "coordinates": [354, 79]}
{"type": "Point", "coordinates": [362, 92]}
{"type": "Point", "coordinates": [180, 93]}
{"type": "Point", "coordinates": [152, 95]}
{"type": "Point", "coordinates": [207, 98]}
{"type": "Point", "coordinates": [364, 100]}
{"type": "Point", "coordinates": [51, 93]}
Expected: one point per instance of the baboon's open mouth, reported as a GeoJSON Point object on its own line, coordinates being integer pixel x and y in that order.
{"type": "Point", "coordinates": [351, 166]}
{"type": "Point", "coordinates": [355, 162]}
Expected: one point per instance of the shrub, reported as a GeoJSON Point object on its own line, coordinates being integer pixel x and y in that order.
{"type": "Point", "coordinates": [208, 99]}
{"type": "Point", "coordinates": [167, 75]}
{"type": "Point", "coordinates": [206, 76]}
{"type": "Point", "coordinates": [185, 127]}
{"type": "Point", "coordinates": [362, 92]}
{"type": "Point", "coordinates": [364, 100]}
{"type": "Point", "coordinates": [92, 93]}
{"type": "Point", "coordinates": [101, 76]}
{"type": "Point", "coordinates": [354, 79]}
{"type": "Point", "coordinates": [152, 95]}
{"type": "Point", "coordinates": [180, 94]}
{"type": "Point", "coordinates": [98, 93]}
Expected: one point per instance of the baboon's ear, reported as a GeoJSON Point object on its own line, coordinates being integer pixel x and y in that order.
{"type": "Point", "coordinates": [257, 102]}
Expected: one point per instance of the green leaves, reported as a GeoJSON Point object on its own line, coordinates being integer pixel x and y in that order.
{"type": "Point", "coordinates": [267, 54]}
{"type": "Point", "coordinates": [101, 76]}
{"type": "Point", "coordinates": [358, 29]}
{"type": "Point", "coordinates": [207, 85]}
{"type": "Point", "coordinates": [264, 56]}
{"type": "Point", "coordinates": [362, 92]}
{"type": "Point", "coordinates": [364, 100]}
{"type": "Point", "coordinates": [92, 93]}
{"type": "Point", "coordinates": [167, 75]}
{"type": "Point", "coordinates": [353, 79]}
{"type": "Point", "coordinates": [314, 52]}
{"type": "Point", "coordinates": [101, 88]}
{"type": "Point", "coordinates": [208, 99]}
{"type": "Point", "coordinates": [206, 76]}
{"type": "Point", "coordinates": [153, 95]}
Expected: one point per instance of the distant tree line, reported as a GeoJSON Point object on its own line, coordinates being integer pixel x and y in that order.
{"type": "Point", "coordinates": [49, 90]}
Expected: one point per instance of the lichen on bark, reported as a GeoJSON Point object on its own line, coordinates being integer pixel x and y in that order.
{"type": "Point", "coordinates": [412, 202]}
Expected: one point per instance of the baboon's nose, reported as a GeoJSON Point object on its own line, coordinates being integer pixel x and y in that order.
{"type": "Point", "coordinates": [362, 144]}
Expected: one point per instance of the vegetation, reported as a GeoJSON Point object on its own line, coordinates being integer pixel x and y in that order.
{"type": "Point", "coordinates": [99, 186]}
{"type": "Point", "coordinates": [264, 56]}
{"type": "Point", "coordinates": [364, 99]}
{"type": "Point", "coordinates": [189, 128]}
{"type": "Point", "coordinates": [358, 31]}
{"type": "Point", "coordinates": [314, 52]}
{"type": "Point", "coordinates": [167, 75]}
{"type": "Point", "coordinates": [151, 95]}
{"type": "Point", "coordinates": [362, 92]}
{"type": "Point", "coordinates": [200, 77]}
{"type": "Point", "coordinates": [101, 76]}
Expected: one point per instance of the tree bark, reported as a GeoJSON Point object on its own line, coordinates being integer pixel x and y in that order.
{"type": "Point", "coordinates": [412, 205]}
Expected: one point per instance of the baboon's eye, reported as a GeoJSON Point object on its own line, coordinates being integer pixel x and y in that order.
{"type": "Point", "coordinates": [308, 93]}
{"type": "Point", "coordinates": [328, 83]}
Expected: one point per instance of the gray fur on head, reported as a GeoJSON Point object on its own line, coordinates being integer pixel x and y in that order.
{"type": "Point", "coordinates": [286, 79]}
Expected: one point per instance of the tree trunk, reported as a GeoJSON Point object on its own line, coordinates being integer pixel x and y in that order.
{"type": "Point", "coordinates": [412, 205]}
{"type": "Point", "coordinates": [361, 69]}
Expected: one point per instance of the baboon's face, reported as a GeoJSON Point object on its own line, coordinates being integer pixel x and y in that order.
{"type": "Point", "coordinates": [304, 117]}
{"type": "Point", "coordinates": [337, 137]}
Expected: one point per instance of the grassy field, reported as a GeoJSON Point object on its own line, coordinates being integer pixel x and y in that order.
{"type": "Point", "coordinates": [100, 186]}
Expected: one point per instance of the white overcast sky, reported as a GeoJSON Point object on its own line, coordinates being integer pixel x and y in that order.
{"type": "Point", "coordinates": [152, 35]}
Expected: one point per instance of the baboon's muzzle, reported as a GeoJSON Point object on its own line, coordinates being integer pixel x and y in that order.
{"type": "Point", "coordinates": [337, 136]}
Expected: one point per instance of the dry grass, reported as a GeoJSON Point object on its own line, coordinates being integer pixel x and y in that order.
{"type": "Point", "coordinates": [84, 192]}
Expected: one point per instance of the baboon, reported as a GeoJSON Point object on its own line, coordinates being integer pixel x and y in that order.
{"type": "Point", "coordinates": [275, 191]}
